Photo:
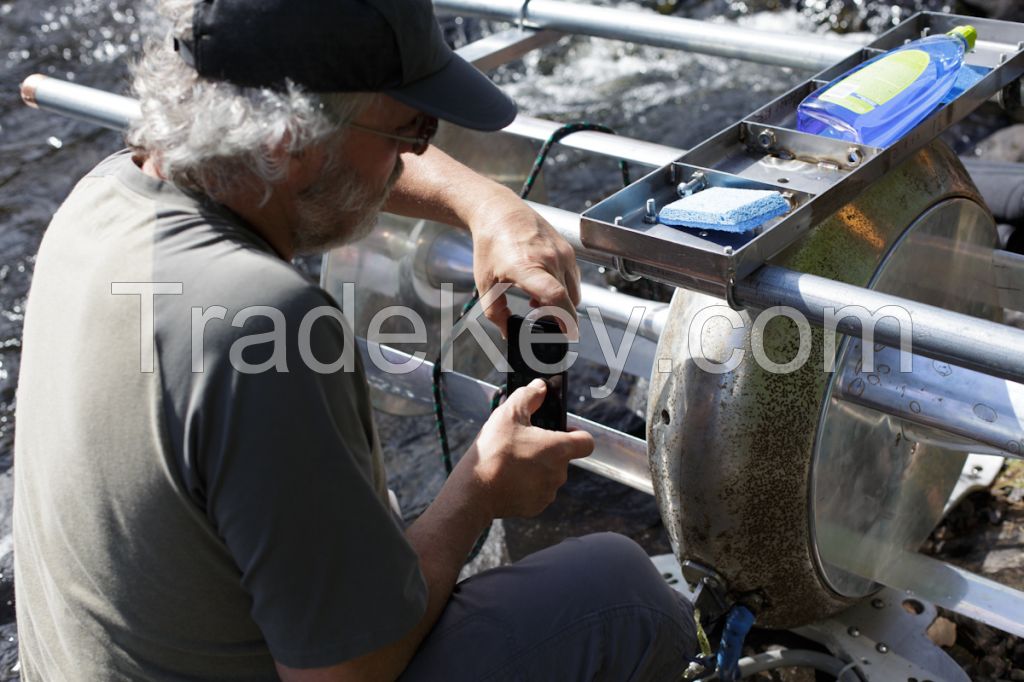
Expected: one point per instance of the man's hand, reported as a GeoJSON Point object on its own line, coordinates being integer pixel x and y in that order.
{"type": "Point", "coordinates": [516, 468]}
{"type": "Point", "coordinates": [512, 243]}
{"type": "Point", "coordinates": [513, 469]}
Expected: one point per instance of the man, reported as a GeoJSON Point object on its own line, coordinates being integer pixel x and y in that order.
{"type": "Point", "coordinates": [199, 493]}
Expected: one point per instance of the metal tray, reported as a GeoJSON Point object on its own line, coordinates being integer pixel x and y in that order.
{"type": "Point", "coordinates": [818, 175]}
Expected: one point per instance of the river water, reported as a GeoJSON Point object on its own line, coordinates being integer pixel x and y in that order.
{"type": "Point", "coordinates": [654, 94]}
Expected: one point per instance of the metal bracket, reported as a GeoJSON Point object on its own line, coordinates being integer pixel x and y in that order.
{"type": "Point", "coordinates": [623, 270]}
{"type": "Point", "coordinates": [702, 586]}
{"type": "Point", "coordinates": [887, 638]}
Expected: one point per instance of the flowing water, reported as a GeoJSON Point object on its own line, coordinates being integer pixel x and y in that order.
{"type": "Point", "coordinates": [649, 93]}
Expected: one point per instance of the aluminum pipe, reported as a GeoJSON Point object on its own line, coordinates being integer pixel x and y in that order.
{"type": "Point", "coordinates": [649, 28]}
{"type": "Point", "coordinates": [983, 408]}
{"type": "Point", "coordinates": [78, 101]}
{"type": "Point", "coordinates": [969, 342]}
{"type": "Point", "coordinates": [936, 333]}
{"type": "Point", "coordinates": [962, 340]}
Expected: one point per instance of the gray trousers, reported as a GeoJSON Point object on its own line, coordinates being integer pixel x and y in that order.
{"type": "Point", "coordinates": [589, 609]}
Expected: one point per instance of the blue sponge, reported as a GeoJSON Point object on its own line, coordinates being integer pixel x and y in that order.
{"type": "Point", "coordinates": [725, 209]}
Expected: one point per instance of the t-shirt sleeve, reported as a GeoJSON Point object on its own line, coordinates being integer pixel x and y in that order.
{"type": "Point", "coordinates": [286, 459]}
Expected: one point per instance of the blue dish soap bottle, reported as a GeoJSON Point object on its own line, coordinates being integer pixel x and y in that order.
{"type": "Point", "coordinates": [880, 100]}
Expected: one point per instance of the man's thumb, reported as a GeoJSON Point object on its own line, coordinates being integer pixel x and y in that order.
{"type": "Point", "coordinates": [525, 401]}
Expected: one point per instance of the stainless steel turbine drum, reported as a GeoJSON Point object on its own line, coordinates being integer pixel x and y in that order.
{"type": "Point", "coordinates": [768, 478]}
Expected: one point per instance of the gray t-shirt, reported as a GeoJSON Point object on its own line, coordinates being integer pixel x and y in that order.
{"type": "Point", "coordinates": [194, 507]}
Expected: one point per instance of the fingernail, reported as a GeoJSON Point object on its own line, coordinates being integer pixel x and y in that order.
{"type": "Point", "coordinates": [538, 383]}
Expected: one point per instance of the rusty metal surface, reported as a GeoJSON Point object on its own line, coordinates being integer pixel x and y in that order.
{"type": "Point", "coordinates": [731, 453]}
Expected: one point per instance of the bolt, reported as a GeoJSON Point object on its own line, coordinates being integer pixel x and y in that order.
{"type": "Point", "coordinates": [695, 183]}
{"type": "Point", "coordinates": [1003, 57]}
{"type": "Point", "coordinates": [650, 212]}
{"type": "Point", "coordinates": [766, 138]}
{"type": "Point", "coordinates": [878, 603]}
{"type": "Point", "coordinates": [882, 648]}
{"type": "Point", "coordinates": [618, 220]}
{"type": "Point", "coordinates": [853, 156]}
{"type": "Point", "coordinates": [727, 251]}
{"type": "Point", "coordinates": [853, 631]}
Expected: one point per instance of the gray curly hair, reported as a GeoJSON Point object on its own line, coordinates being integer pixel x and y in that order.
{"type": "Point", "coordinates": [217, 137]}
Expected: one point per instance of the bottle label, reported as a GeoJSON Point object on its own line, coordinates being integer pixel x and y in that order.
{"type": "Point", "coordinates": [879, 82]}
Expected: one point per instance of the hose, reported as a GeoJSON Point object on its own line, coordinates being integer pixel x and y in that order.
{"type": "Point", "coordinates": [737, 625]}
{"type": "Point", "coordinates": [795, 658]}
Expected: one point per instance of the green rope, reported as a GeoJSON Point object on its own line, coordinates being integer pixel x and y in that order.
{"type": "Point", "coordinates": [442, 431]}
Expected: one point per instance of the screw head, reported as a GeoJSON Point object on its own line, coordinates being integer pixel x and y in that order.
{"type": "Point", "coordinates": [882, 648]}
{"type": "Point", "coordinates": [878, 603]}
{"type": "Point", "coordinates": [766, 138]}
{"type": "Point", "coordinates": [853, 631]}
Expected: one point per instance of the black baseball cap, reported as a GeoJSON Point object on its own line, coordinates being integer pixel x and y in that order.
{"type": "Point", "coordinates": [390, 46]}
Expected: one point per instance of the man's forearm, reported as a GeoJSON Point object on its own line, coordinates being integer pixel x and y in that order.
{"type": "Point", "coordinates": [436, 187]}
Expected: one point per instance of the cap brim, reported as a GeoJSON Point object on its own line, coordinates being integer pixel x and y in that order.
{"type": "Point", "coordinates": [461, 94]}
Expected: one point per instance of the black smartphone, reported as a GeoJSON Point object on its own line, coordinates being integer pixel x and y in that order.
{"type": "Point", "coordinates": [550, 349]}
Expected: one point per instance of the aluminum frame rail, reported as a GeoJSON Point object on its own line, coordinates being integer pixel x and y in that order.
{"type": "Point", "coordinates": [650, 28]}
{"type": "Point", "coordinates": [617, 455]}
{"type": "Point", "coordinates": [936, 333]}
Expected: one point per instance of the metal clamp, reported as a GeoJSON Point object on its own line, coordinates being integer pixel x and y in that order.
{"type": "Point", "coordinates": [730, 292]}
{"type": "Point", "coordinates": [620, 266]}
{"type": "Point", "coordinates": [522, 15]}
{"type": "Point", "coordinates": [709, 591]}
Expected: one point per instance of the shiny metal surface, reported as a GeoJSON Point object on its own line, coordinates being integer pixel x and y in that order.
{"type": "Point", "coordinates": [406, 262]}
{"type": "Point", "coordinates": [616, 455]}
{"type": "Point", "coordinates": [765, 152]}
{"type": "Point", "coordinates": [936, 581]}
{"type": "Point", "coordinates": [938, 395]}
{"type": "Point", "coordinates": [78, 101]}
{"type": "Point", "coordinates": [935, 333]}
{"type": "Point", "coordinates": [888, 638]}
{"type": "Point", "coordinates": [731, 452]}
{"type": "Point", "coordinates": [649, 28]}
{"type": "Point", "coordinates": [1008, 279]}
{"type": "Point", "coordinates": [884, 490]}
{"type": "Point", "coordinates": [500, 48]}
{"type": "Point", "coordinates": [606, 144]}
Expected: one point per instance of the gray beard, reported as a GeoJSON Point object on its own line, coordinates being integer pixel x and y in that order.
{"type": "Point", "coordinates": [338, 209]}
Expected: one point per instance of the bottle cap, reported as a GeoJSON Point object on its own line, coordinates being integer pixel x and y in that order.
{"type": "Point", "coordinates": [967, 33]}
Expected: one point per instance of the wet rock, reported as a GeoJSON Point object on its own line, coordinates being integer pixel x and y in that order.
{"type": "Point", "coordinates": [962, 656]}
{"type": "Point", "coordinates": [942, 631]}
{"type": "Point", "coordinates": [1017, 655]}
{"type": "Point", "coordinates": [1009, 10]}
{"type": "Point", "coordinates": [1004, 145]}
{"type": "Point", "coordinates": [8, 652]}
{"type": "Point", "coordinates": [992, 666]}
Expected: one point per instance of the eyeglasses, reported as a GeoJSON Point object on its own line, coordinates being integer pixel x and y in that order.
{"type": "Point", "coordinates": [425, 128]}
